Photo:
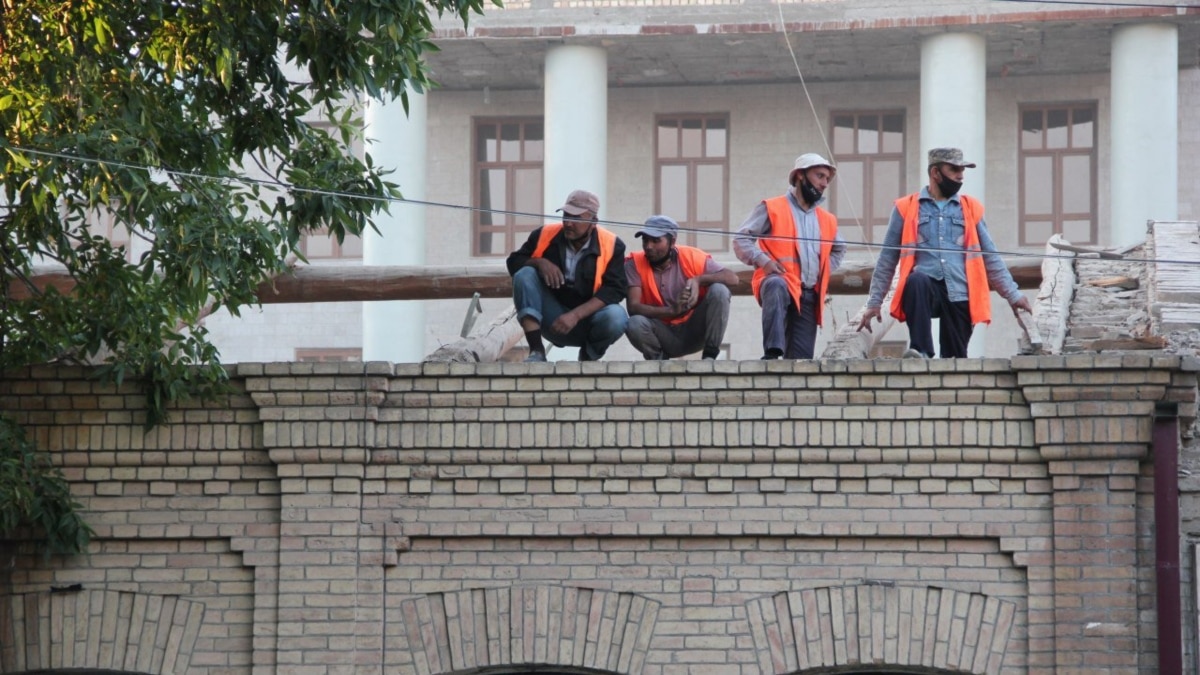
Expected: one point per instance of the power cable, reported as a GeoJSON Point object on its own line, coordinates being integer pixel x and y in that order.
{"type": "Point", "coordinates": [1102, 3]}
{"type": "Point", "coordinates": [462, 207]}
{"type": "Point", "coordinates": [787, 40]}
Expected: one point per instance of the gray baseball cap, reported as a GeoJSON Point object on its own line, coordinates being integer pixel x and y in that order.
{"type": "Point", "coordinates": [952, 156]}
{"type": "Point", "coordinates": [659, 226]}
{"type": "Point", "coordinates": [581, 201]}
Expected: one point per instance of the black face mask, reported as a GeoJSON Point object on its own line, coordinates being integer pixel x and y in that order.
{"type": "Point", "coordinates": [808, 193]}
{"type": "Point", "coordinates": [948, 187]}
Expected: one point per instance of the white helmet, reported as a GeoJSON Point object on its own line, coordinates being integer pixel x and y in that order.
{"type": "Point", "coordinates": [807, 161]}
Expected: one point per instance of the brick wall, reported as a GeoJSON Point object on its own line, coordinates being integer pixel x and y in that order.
{"type": "Point", "coordinates": [754, 518]}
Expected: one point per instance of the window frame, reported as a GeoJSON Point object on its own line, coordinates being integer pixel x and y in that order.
{"type": "Point", "coordinates": [514, 234]}
{"type": "Point", "coordinates": [865, 221]}
{"type": "Point", "coordinates": [688, 235]}
{"type": "Point", "coordinates": [1056, 215]}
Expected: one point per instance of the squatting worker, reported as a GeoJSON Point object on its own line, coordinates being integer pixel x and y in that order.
{"type": "Point", "coordinates": [794, 246]}
{"type": "Point", "coordinates": [569, 281]}
{"type": "Point", "coordinates": [947, 263]}
{"type": "Point", "coordinates": [678, 295]}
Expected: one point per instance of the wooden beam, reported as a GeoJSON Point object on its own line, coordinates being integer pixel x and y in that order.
{"type": "Point", "coordinates": [361, 283]}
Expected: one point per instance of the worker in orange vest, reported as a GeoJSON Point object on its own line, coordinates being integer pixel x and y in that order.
{"type": "Point", "coordinates": [948, 263]}
{"type": "Point", "coordinates": [678, 295]}
{"type": "Point", "coordinates": [569, 281]}
{"type": "Point", "coordinates": [794, 246]}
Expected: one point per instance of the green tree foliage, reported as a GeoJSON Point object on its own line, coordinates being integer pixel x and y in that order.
{"type": "Point", "coordinates": [142, 115]}
{"type": "Point", "coordinates": [35, 497]}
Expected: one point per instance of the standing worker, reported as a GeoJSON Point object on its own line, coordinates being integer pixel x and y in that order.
{"type": "Point", "coordinates": [947, 261]}
{"type": "Point", "coordinates": [794, 246]}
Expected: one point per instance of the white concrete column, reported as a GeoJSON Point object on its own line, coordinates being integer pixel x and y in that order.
{"type": "Point", "coordinates": [1145, 129]}
{"type": "Point", "coordinates": [954, 103]}
{"type": "Point", "coordinates": [395, 331]}
{"type": "Point", "coordinates": [954, 115]}
{"type": "Point", "coordinates": [576, 114]}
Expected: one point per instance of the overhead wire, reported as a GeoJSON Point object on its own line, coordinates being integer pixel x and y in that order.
{"type": "Point", "coordinates": [279, 185]}
{"type": "Point", "coordinates": [787, 40]}
{"type": "Point", "coordinates": [1103, 3]}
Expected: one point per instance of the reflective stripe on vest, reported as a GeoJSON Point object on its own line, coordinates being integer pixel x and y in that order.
{"type": "Point", "coordinates": [781, 246]}
{"type": "Point", "coordinates": [691, 260]}
{"type": "Point", "coordinates": [606, 239]}
{"type": "Point", "coordinates": [977, 282]}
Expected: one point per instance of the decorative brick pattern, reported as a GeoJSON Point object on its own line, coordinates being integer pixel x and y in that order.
{"type": "Point", "coordinates": [98, 629]}
{"type": "Point", "coordinates": [884, 624]}
{"type": "Point", "coordinates": [546, 625]}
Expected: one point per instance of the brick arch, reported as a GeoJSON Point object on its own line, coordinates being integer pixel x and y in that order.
{"type": "Point", "coordinates": [565, 628]}
{"type": "Point", "coordinates": [99, 630]}
{"type": "Point", "coordinates": [880, 625]}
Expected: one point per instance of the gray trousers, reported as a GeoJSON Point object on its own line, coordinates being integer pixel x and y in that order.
{"type": "Point", "coordinates": [704, 330]}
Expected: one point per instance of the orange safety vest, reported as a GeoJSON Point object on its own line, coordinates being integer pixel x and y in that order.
{"type": "Point", "coordinates": [977, 282]}
{"type": "Point", "coordinates": [606, 239]}
{"type": "Point", "coordinates": [782, 247]}
{"type": "Point", "coordinates": [691, 260]}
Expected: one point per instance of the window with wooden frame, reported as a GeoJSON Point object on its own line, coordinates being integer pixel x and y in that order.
{"type": "Point", "coordinates": [1057, 166]}
{"type": "Point", "coordinates": [507, 186]}
{"type": "Point", "coordinates": [868, 148]}
{"type": "Point", "coordinates": [691, 177]}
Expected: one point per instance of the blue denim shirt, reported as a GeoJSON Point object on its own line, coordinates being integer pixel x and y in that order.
{"type": "Point", "coordinates": [940, 227]}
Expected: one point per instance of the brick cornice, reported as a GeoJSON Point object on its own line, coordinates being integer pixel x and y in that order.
{"type": "Point", "coordinates": [1094, 407]}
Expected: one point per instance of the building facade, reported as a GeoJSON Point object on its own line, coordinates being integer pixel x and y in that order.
{"type": "Point", "coordinates": [1082, 119]}
{"type": "Point", "coordinates": [975, 516]}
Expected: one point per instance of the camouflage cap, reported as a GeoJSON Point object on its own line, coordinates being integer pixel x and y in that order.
{"type": "Point", "coordinates": [949, 156]}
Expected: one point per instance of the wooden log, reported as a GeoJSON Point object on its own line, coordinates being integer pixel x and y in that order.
{"type": "Point", "coordinates": [362, 283]}
{"type": "Point", "coordinates": [1126, 283]}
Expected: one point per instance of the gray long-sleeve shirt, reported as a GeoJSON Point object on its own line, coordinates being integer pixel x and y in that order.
{"type": "Point", "coordinates": [757, 224]}
{"type": "Point", "coordinates": [940, 227]}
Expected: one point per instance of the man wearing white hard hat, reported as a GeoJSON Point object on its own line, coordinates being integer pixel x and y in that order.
{"type": "Point", "coordinates": [794, 246]}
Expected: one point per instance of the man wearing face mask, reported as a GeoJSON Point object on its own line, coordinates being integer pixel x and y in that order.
{"type": "Point", "coordinates": [569, 281]}
{"type": "Point", "coordinates": [947, 263]}
{"type": "Point", "coordinates": [794, 246]}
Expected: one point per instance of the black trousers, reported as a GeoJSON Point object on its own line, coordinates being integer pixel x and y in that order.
{"type": "Point", "coordinates": [926, 299]}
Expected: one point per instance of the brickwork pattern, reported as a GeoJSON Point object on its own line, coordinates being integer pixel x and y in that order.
{"type": "Point", "coordinates": [321, 510]}
{"type": "Point", "coordinates": [549, 625]}
{"type": "Point", "coordinates": [98, 629]}
{"type": "Point", "coordinates": [885, 624]}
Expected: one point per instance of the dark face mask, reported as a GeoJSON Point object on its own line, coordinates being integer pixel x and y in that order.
{"type": "Point", "coordinates": [808, 193]}
{"type": "Point", "coordinates": [947, 186]}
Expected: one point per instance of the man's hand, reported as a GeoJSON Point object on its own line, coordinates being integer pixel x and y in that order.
{"type": "Point", "coordinates": [691, 293]}
{"type": "Point", "coordinates": [773, 267]}
{"type": "Point", "coordinates": [1021, 303]}
{"type": "Point", "coordinates": [551, 275]}
{"type": "Point", "coordinates": [564, 324]}
{"type": "Point", "coordinates": [868, 314]}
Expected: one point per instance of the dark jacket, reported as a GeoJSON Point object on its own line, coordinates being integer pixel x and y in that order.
{"type": "Point", "coordinates": [613, 284]}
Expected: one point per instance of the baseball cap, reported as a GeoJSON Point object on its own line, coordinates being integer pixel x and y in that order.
{"type": "Point", "coordinates": [807, 161]}
{"type": "Point", "coordinates": [581, 201]}
{"type": "Point", "coordinates": [952, 156]}
{"type": "Point", "coordinates": [659, 226]}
